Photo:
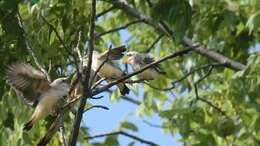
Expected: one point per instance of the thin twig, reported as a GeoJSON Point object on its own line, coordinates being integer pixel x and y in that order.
{"type": "Point", "coordinates": [125, 134]}
{"type": "Point", "coordinates": [129, 99]}
{"type": "Point", "coordinates": [204, 100]}
{"type": "Point", "coordinates": [154, 125]}
{"type": "Point", "coordinates": [61, 40]}
{"type": "Point", "coordinates": [119, 28]}
{"type": "Point", "coordinates": [99, 97]}
{"type": "Point", "coordinates": [29, 48]}
{"type": "Point", "coordinates": [98, 83]}
{"type": "Point", "coordinates": [184, 77]}
{"type": "Point", "coordinates": [49, 68]}
{"type": "Point", "coordinates": [154, 43]}
{"type": "Point", "coordinates": [96, 106]}
{"type": "Point", "coordinates": [101, 65]}
{"type": "Point", "coordinates": [77, 47]}
{"type": "Point", "coordinates": [105, 11]}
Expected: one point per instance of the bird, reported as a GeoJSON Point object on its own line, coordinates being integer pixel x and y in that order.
{"type": "Point", "coordinates": [109, 70]}
{"type": "Point", "coordinates": [137, 61]}
{"type": "Point", "coordinates": [32, 86]}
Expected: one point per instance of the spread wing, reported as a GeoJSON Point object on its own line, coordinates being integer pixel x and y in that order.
{"type": "Point", "coordinates": [148, 60]}
{"type": "Point", "coordinates": [27, 82]}
{"type": "Point", "coordinates": [113, 54]}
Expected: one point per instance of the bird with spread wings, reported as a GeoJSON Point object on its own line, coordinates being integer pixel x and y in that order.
{"type": "Point", "coordinates": [137, 61]}
{"type": "Point", "coordinates": [35, 90]}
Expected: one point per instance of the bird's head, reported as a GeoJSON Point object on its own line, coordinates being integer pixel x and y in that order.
{"type": "Point", "coordinates": [61, 84]}
{"type": "Point", "coordinates": [133, 57]}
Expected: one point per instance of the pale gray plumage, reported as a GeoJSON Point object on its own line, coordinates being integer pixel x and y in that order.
{"type": "Point", "coordinates": [32, 86]}
{"type": "Point", "coordinates": [137, 61]}
{"type": "Point", "coordinates": [109, 70]}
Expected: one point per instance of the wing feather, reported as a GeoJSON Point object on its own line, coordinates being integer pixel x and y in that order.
{"type": "Point", "coordinates": [113, 54]}
{"type": "Point", "coordinates": [148, 60]}
{"type": "Point", "coordinates": [27, 82]}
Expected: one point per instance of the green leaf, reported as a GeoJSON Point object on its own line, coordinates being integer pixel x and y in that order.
{"type": "Point", "coordinates": [129, 125]}
{"type": "Point", "coordinates": [112, 140]}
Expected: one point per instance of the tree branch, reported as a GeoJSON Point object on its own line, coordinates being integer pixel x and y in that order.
{"type": "Point", "coordinates": [97, 91]}
{"type": "Point", "coordinates": [154, 43]}
{"type": "Point", "coordinates": [61, 41]}
{"type": "Point", "coordinates": [62, 131]}
{"type": "Point", "coordinates": [185, 76]}
{"type": "Point", "coordinates": [85, 78]}
{"type": "Point", "coordinates": [97, 106]}
{"type": "Point", "coordinates": [161, 27]}
{"type": "Point", "coordinates": [129, 99]}
{"type": "Point", "coordinates": [204, 100]}
{"type": "Point", "coordinates": [104, 12]}
{"type": "Point", "coordinates": [125, 134]}
{"type": "Point", "coordinates": [119, 28]}
{"type": "Point", "coordinates": [29, 48]}
{"type": "Point", "coordinates": [178, 53]}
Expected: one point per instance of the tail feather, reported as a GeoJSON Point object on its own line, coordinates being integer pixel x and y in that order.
{"type": "Point", "coordinates": [123, 89]}
{"type": "Point", "coordinates": [28, 126]}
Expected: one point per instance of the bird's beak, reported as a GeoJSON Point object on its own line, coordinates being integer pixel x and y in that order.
{"type": "Point", "coordinates": [125, 60]}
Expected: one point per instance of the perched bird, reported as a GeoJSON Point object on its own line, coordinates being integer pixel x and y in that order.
{"type": "Point", "coordinates": [32, 86]}
{"type": "Point", "coordinates": [109, 71]}
{"type": "Point", "coordinates": [137, 61]}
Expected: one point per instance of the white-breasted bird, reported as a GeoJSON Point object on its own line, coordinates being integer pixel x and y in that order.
{"type": "Point", "coordinates": [32, 86]}
{"type": "Point", "coordinates": [109, 71]}
{"type": "Point", "coordinates": [137, 61]}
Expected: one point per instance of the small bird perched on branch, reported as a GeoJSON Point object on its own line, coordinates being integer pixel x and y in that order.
{"type": "Point", "coordinates": [108, 70]}
{"type": "Point", "coordinates": [32, 86]}
{"type": "Point", "coordinates": [137, 61]}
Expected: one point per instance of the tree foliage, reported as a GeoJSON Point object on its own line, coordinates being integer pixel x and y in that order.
{"type": "Point", "coordinates": [212, 105]}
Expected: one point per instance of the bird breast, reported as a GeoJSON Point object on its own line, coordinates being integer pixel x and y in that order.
{"type": "Point", "coordinates": [107, 70]}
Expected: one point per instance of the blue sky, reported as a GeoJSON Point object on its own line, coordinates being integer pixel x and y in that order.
{"type": "Point", "coordinates": [102, 121]}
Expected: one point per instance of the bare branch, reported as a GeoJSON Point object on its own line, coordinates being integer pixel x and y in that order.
{"type": "Point", "coordinates": [50, 132]}
{"type": "Point", "coordinates": [61, 41]}
{"type": "Point", "coordinates": [125, 134]}
{"type": "Point", "coordinates": [105, 12]}
{"type": "Point", "coordinates": [119, 28]}
{"type": "Point", "coordinates": [49, 68]}
{"type": "Point", "coordinates": [85, 78]}
{"type": "Point", "coordinates": [184, 77]}
{"type": "Point", "coordinates": [97, 83]}
{"type": "Point", "coordinates": [77, 47]}
{"type": "Point", "coordinates": [154, 125]}
{"type": "Point", "coordinates": [163, 28]}
{"type": "Point", "coordinates": [154, 43]}
{"type": "Point", "coordinates": [129, 99]}
{"type": "Point", "coordinates": [204, 100]}
{"type": "Point", "coordinates": [96, 106]}
{"type": "Point", "coordinates": [29, 48]}
{"type": "Point", "coordinates": [62, 131]}
{"type": "Point", "coordinates": [98, 97]}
